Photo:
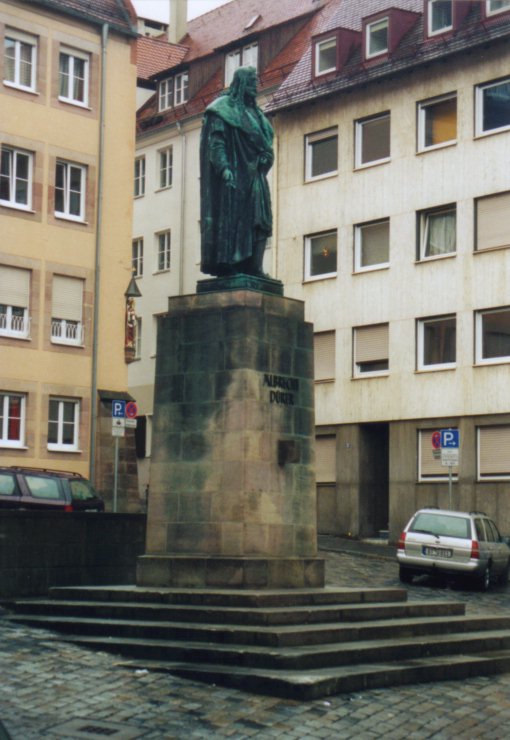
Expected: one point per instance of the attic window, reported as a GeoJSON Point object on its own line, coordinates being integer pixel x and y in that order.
{"type": "Point", "coordinates": [252, 22]}
{"type": "Point", "coordinates": [173, 91]}
{"type": "Point", "coordinates": [247, 56]}
{"type": "Point", "coordinates": [497, 6]}
{"type": "Point", "coordinates": [325, 56]}
{"type": "Point", "coordinates": [377, 38]}
{"type": "Point", "coordinates": [440, 16]}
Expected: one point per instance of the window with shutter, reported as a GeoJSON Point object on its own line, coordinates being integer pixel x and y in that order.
{"type": "Point", "coordinates": [14, 297]}
{"type": "Point", "coordinates": [324, 355]}
{"type": "Point", "coordinates": [493, 452]}
{"type": "Point", "coordinates": [429, 459]}
{"type": "Point", "coordinates": [67, 310]}
{"type": "Point", "coordinates": [371, 350]}
{"type": "Point", "coordinates": [493, 222]}
{"type": "Point", "coordinates": [325, 459]}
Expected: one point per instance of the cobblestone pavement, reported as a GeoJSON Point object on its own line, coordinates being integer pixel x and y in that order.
{"type": "Point", "coordinates": [52, 690]}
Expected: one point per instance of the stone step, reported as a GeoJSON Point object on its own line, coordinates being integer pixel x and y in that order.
{"type": "Point", "coordinates": [231, 597]}
{"type": "Point", "coordinates": [299, 658]}
{"type": "Point", "coordinates": [270, 637]}
{"type": "Point", "coordinates": [240, 615]}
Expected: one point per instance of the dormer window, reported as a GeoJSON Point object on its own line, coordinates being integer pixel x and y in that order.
{"type": "Point", "coordinates": [377, 38]}
{"type": "Point", "coordinates": [246, 56]}
{"type": "Point", "coordinates": [440, 16]}
{"type": "Point", "coordinates": [497, 6]}
{"type": "Point", "coordinates": [325, 56]}
{"type": "Point", "coordinates": [173, 91]}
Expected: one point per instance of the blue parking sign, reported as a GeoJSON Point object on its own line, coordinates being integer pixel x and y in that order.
{"type": "Point", "coordinates": [118, 409]}
{"type": "Point", "coordinates": [450, 438]}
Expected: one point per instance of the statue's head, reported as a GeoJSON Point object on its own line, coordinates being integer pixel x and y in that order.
{"type": "Point", "coordinates": [244, 84]}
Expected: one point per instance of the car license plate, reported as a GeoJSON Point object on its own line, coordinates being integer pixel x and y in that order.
{"type": "Point", "coordinates": [437, 552]}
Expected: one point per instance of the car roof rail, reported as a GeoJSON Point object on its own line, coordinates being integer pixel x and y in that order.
{"type": "Point", "coordinates": [51, 471]}
{"type": "Point", "coordinates": [480, 513]}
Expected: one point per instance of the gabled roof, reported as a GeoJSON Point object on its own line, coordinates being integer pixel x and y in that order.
{"type": "Point", "coordinates": [119, 14]}
{"type": "Point", "coordinates": [155, 53]}
{"type": "Point", "coordinates": [414, 49]}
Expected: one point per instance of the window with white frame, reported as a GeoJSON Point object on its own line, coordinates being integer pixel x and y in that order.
{"type": "Point", "coordinates": [324, 356]}
{"type": "Point", "coordinates": [437, 122]}
{"type": "Point", "coordinates": [16, 175]}
{"type": "Point", "coordinates": [371, 350]}
{"type": "Point", "coordinates": [63, 424]}
{"type": "Point", "coordinates": [67, 310]}
{"type": "Point", "coordinates": [138, 338]}
{"type": "Point", "coordinates": [70, 188]}
{"type": "Point", "coordinates": [320, 255]}
{"type": "Point", "coordinates": [440, 16]}
{"type": "Point", "coordinates": [137, 257]}
{"type": "Point", "coordinates": [74, 77]}
{"type": "Point", "coordinates": [20, 60]}
{"type": "Point", "coordinates": [429, 459]}
{"type": "Point", "coordinates": [12, 419]}
{"type": "Point", "coordinates": [15, 298]}
{"type": "Point", "coordinates": [492, 448]}
{"type": "Point", "coordinates": [321, 154]}
{"type": "Point", "coordinates": [372, 245]}
{"type": "Point", "coordinates": [492, 7]}
{"type": "Point", "coordinates": [246, 56]}
{"type": "Point", "coordinates": [163, 251]}
{"type": "Point", "coordinates": [325, 56]}
{"type": "Point", "coordinates": [173, 91]}
{"type": "Point", "coordinates": [372, 140]}
{"type": "Point", "coordinates": [165, 167]}
{"type": "Point", "coordinates": [436, 343]}
{"type": "Point", "coordinates": [493, 107]}
{"type": "Point", "coordinates": [437, 232]}
{"type": "Point", "coordinates": [139, 177]}
{"type": "Point", "coordinates": [492, 222]}
{"type": "Point", "coordinates": [377, 38]}
{"type": "Point", "coordinates": [492, 332]}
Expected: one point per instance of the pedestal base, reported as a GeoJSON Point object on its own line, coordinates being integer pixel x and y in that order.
{"type": "Point", "coordinates": [197, 571]}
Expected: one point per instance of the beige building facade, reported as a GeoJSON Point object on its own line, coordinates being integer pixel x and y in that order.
{"type": "Point", "coordinates": [67, 145]}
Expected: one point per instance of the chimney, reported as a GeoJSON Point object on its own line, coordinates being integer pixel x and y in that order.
{"type": "Point", "coordinates": [178, 20]}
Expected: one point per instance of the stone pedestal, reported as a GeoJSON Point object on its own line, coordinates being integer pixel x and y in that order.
{"type": "Point", "coordinates": [232, 493]}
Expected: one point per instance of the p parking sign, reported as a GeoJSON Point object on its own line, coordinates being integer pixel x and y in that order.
{"type": "Point", "coordinates": [118, 409]}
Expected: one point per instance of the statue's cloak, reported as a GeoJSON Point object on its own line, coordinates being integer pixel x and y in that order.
{"type": "Point", "coordinates": [236, 137]}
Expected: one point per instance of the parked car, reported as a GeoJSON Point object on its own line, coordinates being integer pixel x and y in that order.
{"type": "Point", "coordinates": [456, 543]}
{"type": "Point", "coordinates": [39, 488]}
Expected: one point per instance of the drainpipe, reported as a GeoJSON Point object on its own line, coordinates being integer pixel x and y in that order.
{"type": "Point", "coordinates": [182, 214]}
{"type": "Point", "coordinates": [97, 265]}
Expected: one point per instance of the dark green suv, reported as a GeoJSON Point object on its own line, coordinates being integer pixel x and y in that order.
{"type": "Point", "coordinates": [40, 488]}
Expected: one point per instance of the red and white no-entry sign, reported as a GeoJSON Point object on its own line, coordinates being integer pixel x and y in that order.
{"type": "Point", "coordinates": [131, 410]}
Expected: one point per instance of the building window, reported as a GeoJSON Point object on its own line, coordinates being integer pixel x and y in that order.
{"type": "Point", "coordinates": [139, 176]}
{"type": "Point", "coordinates": [16, 167]}
{"type": "Point", "coordinates": [67, 310]}
{"type": "Point", "coordinates": [320, 255]}
{"type": "Point", "coordinates": [440, 16]}
{"type": "Point", "coordinates": [377, 38]}
{"type": "Point", "coordinates": [371, 350]}
{"type": "Point", "coordinates": [15, 296]}
{"type": "Point", "coordinates": [373, 140]}
{"type": "Point", "coordinates": [138, 338]}
{"type": "Point", "coordinates": [372, 245]}
{"type": "Point", "coordinates": [165, 167]}
{"type": "Point", "coordinates": [429, 459]}
{"type": "Point", "coordinates": [20, 60]}
{"type": "Point", "coordinates": [70, 186]}
{"type": "Point", "coordinates": [63, 424]}
{"type": "Point", "coordinates": [247, 56]}
{"type": "Point", "coordinates": [325, 56]}
{"type": "Point", "coordinates": [437, 122]}
{"type": "Point", "coordinates": [436, 343]}
{"type": "Point", "coordinates": [493, 460]}
{"type": "Point", "coordinates": [493, 336]}
{"type": "Point", "coordinates": [321, 154]}
{"type": "Point", "coordinates": [493, 107]}
{"type": "Point", "coordinates": [173, 91]}
{"type": "Point", "coordinates": [163, 251]}
{"type": "Point", "coordinates": [74, 77]}
{"type": "Point", "coordinates": [324, 356]}
{"type": "Point", "coordinates": [437, 232]}
{"type": "Point", "coordinates": [493, 222]}
{"type": "Point", "coordinates": [137, 257]}
{"type": "Point", "coordinates": [492, 7]}
{"type": "Point", "coordinates": [325, 459]}
{"type": "Point", "coordinates": [12, 420]}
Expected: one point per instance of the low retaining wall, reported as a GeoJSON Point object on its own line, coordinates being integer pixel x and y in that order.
{"type": "Point", "coordinates": [43, 549]}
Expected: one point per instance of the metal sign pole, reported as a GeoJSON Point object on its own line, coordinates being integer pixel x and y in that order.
{"type": "Point", "coordinates": [450, 467]}
{"type": "Point", "coordinates": [115, 475]}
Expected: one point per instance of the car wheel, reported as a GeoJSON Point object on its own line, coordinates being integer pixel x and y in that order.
{"type": "Point", "coordinates": [485, 580]}
{"type": "Point", "coordinates": [405, 574]}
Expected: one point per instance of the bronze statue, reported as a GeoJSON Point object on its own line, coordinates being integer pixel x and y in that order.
{"type": "Point", "coordinates": [236, 152]}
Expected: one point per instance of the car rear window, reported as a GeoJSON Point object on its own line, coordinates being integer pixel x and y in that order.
{"type": "Point", "coordinates": [81, 490]}
{"type": "Point", "coordinates": [448, 526]}
{"type": "Point", "coordinates": [41, 487]}
{"type": "Point", "coordinates": [7, 484]}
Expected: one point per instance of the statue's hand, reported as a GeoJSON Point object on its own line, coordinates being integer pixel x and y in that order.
{"type": "Point", "coordinates": [228, 178]}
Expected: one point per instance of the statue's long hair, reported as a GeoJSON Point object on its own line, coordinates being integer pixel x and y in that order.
{"type": "Point", "coordinates": [237, 89]}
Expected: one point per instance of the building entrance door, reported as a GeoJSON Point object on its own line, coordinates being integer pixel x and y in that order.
{"type": "Point", "coordinates": [374, 479]}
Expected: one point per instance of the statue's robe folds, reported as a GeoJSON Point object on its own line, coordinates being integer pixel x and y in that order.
{"type": "Point", "coordinates": [233, 219]}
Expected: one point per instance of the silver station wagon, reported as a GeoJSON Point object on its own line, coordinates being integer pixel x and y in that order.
{"type": "Point", "coordinates": [456, 543]}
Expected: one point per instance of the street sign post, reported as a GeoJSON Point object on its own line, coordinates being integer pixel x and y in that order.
{"type": "Point", "coordinates": [450, 442]}
{"type": "Point", "coordinates": [124, 415]}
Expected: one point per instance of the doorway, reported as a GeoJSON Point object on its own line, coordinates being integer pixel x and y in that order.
{"type": "Point", "coordinates": [374, 479]}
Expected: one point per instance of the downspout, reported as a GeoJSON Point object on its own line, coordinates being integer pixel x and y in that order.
{"type": "Point", "coordinates": [182, 214]}
{"type": "Point", "coordinates": [97, 264]}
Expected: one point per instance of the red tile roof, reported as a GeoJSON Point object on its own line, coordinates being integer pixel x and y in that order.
{"type": "Point", "coordinates": [155, 53]}
{"type": "Point", "coordinates": [119, 14]}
